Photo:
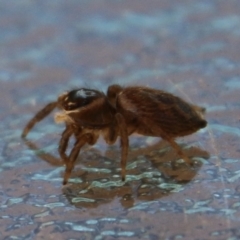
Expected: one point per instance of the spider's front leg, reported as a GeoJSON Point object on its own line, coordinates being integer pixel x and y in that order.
{"type": "Point", "coordinates": [63, 143]}
{"type": "Point", "coordinates": [38, 117]}
{"type": "Point", "coordinates": [80, 142]}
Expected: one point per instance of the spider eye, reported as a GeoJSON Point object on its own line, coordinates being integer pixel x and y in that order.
{"type": "Point", "coordinates": [79, 98]}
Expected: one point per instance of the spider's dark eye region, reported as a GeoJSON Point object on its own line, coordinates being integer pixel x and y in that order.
{"type": "Point", "coordinates": [79, 98]}
{"type": "Point", "coordinates": [82, 93]}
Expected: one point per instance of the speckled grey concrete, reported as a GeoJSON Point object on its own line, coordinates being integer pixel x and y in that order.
{"type": "Point", "coordinates": [189, 48]}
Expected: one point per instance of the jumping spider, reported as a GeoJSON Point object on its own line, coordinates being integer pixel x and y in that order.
{"type": "Point", "coordinates": [89, 113]}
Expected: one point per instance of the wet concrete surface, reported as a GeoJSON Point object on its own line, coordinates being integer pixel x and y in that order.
{"type": "Point", "coordinates": [188, 48]}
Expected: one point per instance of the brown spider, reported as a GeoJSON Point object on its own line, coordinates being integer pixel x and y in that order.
{"type": "Point", "coordinates": [89, 113]}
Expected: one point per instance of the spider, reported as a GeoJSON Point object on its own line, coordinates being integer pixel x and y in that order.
{"type": "Point", "coordinates": [89, 113]}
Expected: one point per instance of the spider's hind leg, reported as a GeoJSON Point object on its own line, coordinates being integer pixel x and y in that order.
{"type": "Point", "coordinates": [179, 151]}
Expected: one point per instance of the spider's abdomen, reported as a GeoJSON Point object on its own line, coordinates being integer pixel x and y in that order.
{"type": "Point", "coordinates": [158, 112]}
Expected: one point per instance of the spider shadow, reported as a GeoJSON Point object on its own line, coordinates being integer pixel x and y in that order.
{"type": "Point", "coordinates": [150, 175]}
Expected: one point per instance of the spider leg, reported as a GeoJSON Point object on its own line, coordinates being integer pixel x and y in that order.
{"type": "Point", "coordinates": [81, 141]}
{"type": "Point", "coordinates": [52, 160]}
{"type": "Point", "coordinates": [111, 133]}
{"type": "Point", "coordinates": [124, 143]}
{"type": "Point", "coordinates": [179, 151]}
{"type": "Point", "coordinates": [171, 141]}
{"type": "Point", "coordinates": [38, 117]}
{"type": "Point", "coordinates": [63, 143]}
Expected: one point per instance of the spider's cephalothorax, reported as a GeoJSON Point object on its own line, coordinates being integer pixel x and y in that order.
{"type": "Point", "coordinates": [86, 108]}
{"type": "Point", "coordinates": [89, 113]}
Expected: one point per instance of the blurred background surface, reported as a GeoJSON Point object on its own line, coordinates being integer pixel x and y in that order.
{"type": "Point", "coordinates": [189, 48]}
